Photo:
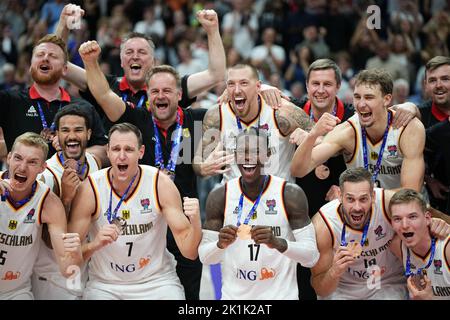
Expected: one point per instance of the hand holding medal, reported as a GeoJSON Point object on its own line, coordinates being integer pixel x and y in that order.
{"type": "Point", "coordinates": [355, 249]}
{"type": "Point", "coordinates": [419, 287]}
{"type": "Point", "coordinates": [244, 232]}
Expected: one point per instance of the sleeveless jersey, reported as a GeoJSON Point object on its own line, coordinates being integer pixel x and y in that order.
{"type": "Point", "coordinates": [139, 254]}
{"type": "Point", "coordinates": [20, 237]}
{"type": "Point", "coordinates": [362, 279]}
{"type": "Point", "coordinates": [46, 264]}
{"type": "Point", "coordinates": [391, 164]}
{"type": "Point", "coordinates": [439, 270]}
{"type": "Point", "coordinates": [281, 150]}
{"type": "Point", "coordinates": [55, 170]}
{"type": "Point", "coordinates": [251, 271]}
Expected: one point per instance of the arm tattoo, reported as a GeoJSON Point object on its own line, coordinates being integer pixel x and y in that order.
{"type": "Point", "coordinates": [210, 131]}
{"type": "Point", "coordinates": [291, 117]}
{"type": "Point", "coordinates": [301, 119]}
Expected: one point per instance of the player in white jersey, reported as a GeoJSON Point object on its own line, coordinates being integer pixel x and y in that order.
{"type": "Point", "coordinates": [65, 171]}
{"type": "Point", "coordinates": [126, 209]}
{"type": "Point", "coordinates": [247, 109]}
{"type": "Point", "coordinates": [393, 156]}
{"type": "Point", "coordinates": [26, 205]}
{"type": "Point", "coordinates": [353, 236]}
{"type": "Point", "coordinates": [257, 226]}
{"type": "Point", "coordinates": [426, 259]}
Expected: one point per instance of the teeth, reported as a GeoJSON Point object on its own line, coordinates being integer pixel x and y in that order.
{"type": "Point", "coordinates": [248, 166]}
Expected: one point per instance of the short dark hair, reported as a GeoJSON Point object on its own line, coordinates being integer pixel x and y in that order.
{"type": "Point", "coordinates": [53, 38]}
{"type": "Point", "coordinates": [125, 127]}
{"type": "Point", "coordinates": [325, 64]}
{"type": "Point", "coordinates": [132, 35]}
{"type": "Point", "coordinates": [435, 63]}
{"type": "Point", "coordinates": [246, 65]}
{"type": "Point", "coordinates": [406, 196]}
{"type": "Point", "coordinates": [73, 109]}
{"type": "Point", "coordinates": [355, 175]}
{"type": "Point", "coordinates": [374, 77]}
{"type": "Point", "coordinates": [165, 69]}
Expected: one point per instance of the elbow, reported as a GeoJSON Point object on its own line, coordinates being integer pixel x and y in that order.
{"type": "Point", "coordinates": [191, 255]}
{"type": "Point", "coordinates": [296, 171]}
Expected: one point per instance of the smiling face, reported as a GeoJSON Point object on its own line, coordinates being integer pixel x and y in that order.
{"type": "Point", "coordinates": [251, 154]}
{"type": "Point", "coordinates": [47, 64]}
{"type": "Point", "coordinates": [73, 136]}
{"type": "Point", "coordinates": [163, 95]}
{"type": "Point", "coordinates": [24, 164]}
{"type": "Point", "coordinates": [437, 83]}
{"type": "Point", "coordinates": [136, 59]}
{"type": "Point", "coordinates": [322, 89]}
{"type": "Point", "coordinates": [124, 153]}
{"type": "Point", "coordinates": [243, 88]}
{"type": "Point", "coordinates": [411, 223]}
{"type": "Point", "coordinates": [370, 103]}
{"type": "Point", "coordinates": [357, 199]}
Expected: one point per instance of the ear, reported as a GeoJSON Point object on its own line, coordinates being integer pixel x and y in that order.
{"type": "Point", "coordinates": [428, 217]}
{"type": "Point", "coordinates": [64, 70]}
{"type": "Point", "coordinates": [89, 133]}
{"type": "Point", "coordinates": [387, 100]}
{"type": "Point", "coordinates": [43, 167]}
{"type": "Point", "coordinates": [258, 86]}
{"type": "Point", "coordinates": [141, 151]}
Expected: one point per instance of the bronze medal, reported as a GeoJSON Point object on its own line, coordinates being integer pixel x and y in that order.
{"type": "Point", "coordinates": [121, 223]}
{"type": "Point", "coordinates": [243, 232]}
{"type": "Point", "coordinates": [355, 248]}
{"type": "Point", "coordinates": [418, 281]}
{"type": "Point", "coordinates": [322, 172]}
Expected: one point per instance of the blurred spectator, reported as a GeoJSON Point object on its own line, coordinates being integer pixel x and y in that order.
{"type": "Point", "coordinates": [300, 59]}
{"type": "Point", "coordinates": [276, 81]}
{"type": "Point", "coordinates": [8, 49]}
{"type": "Point", "coordinates": [314, 38]}
{"type": "Point", "coordinates": [400, 91]}
{"type": "Point", "coordinates": [187, 64]}
{"type": "Point", "coordinates": [339, 25]}
{"type": "Point", "coordinates": [268, 52]}
{"type": "Point", "coordinates": [298, 90]}
{"type": "Point", "coordinates": [384, 60]}
{"type": "Point", "coordinates": [234, 57]}
{"type": "Point", "coordinates": [8, 76]}
{"type": "Point", "coordinates": [50, 12]}
{"type": "Point", "coordinates": [150, 25]}
{"type": "Point", "coordinates": [363, 44]}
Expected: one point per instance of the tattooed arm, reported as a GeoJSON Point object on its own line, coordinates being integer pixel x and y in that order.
{"type": "Point", "coordinates": [209, 157]}
{"type": "Point", "coordinates": [290, 117]}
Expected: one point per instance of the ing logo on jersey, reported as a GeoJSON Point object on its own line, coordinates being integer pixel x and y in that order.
{"type": "Point", "coordinates": [126, 214]}
{"type": "Point", "coordinates": [9, 275]}
{"type": "Point", "coordinates": [12, 225]}
{"type": "Point", "coordinates": [267, 273]}
{"type": "Point", "coordinates": [374, 155]}
{"type": "Point", "coordinates": [143, 262]}
{"type": "Point", "coordinates": [30, 217]}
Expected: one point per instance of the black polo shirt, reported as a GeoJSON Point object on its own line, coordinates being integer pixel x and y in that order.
{"type": "Point", "coordinates": [431, 114]}
{"type": "Point", "coordinates": [121, 87]}
{"type": "Point", "coordinates": [19, 114]}
{"type": "Point", "coordinates": [185, 178]}
{"type": "Point", "coordinates": [315, 188]}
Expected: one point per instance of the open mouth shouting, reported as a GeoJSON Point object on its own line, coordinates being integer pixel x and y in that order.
{"type": "Point", "coordinates": [73, 147]}
{"type": "Point", "coordinates": [239, 103]}
{"type": "Point", "coordinates": [122, 167]}
{"type": "Point", "coordinates": [408, 235]}
{"type": "Point", "coordinates": [135, 68]}
{"type": "Point", "coordinates": [44, 68]}
{"type": "Point", "coordinates": [365, 116]}
{"type": "Point", "coordinates": [19, 179]}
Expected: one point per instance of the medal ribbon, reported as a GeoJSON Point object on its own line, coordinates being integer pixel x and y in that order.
{"type": "Point", "coordinates": [43, 121]}
{"type": "Point", "coordinates": [408, 271]}
{"type": "Point", "coordinates": [363, 238]}
{"type": "Point", "coordinates": [255, 204]}
{"type": "Point", "coordinates": [79, 172]}
{"type": "Point", "coordinates": [176, 142]}
{"type": "Point", "coordinates": [380, 154]}
{"type": "Point", "coordinates": [140, 102]}
{"type": "Point", "coordinates": [114, 215]}
{"type": "Point", "coordinates": [238, 120]}
{"type": "Point", "coordinates": [20, 202]}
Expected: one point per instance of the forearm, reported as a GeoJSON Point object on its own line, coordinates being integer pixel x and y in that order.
{"type": "Point", "coordinates": [325, 283]}
{"type": "Point", "coordinates": [88, 249]}
{"type": "Point", "coordinates": [3, 149]}
{"type": "Point", "coordinates": [189, 243]}
{"type": "Point", "coordinates": [61, 29]}
{"type": "Point", "coordinates": [216, 54]}
{"type": "Point", "coordinates": [435, 213]}
{"type": "Point", "coordinates": [208, 251]}
{"type": "Point", "coordinates": [304, 249]}
{"type": "Point", "coordinates": [111, 103]}
{"type": "Point", "coordinates": [300, 165]}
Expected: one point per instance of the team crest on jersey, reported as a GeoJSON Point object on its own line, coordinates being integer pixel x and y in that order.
{"type": "Point", "coordinates": [12, 225]}
{"type": "Point", "coordinates": [126, 214]}
{"type": "Point", "coordinates": [437, 266]}
{"type": "Point", "coordinates": [392, 151]}
{"type": "Point", "coordinates": [379, 233]}
{"type": "Point", "coordinates": [236, 210]}
{"type": "Point", "coordinates": [374, 155]}
{"type": "Point", "coordinates": [271, 204]}
{"type": "Point", "coordinates": [30, 217]}
{"type": "Point", "coordinates": [145, 203]}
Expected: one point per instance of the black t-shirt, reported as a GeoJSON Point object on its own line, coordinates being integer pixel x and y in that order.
{"type": "Point", "coordinates": [315, 188]}
{"type": "Point", "coordinates": [437, 157]}
{"type": "Point", "coordinates": [19, 113]}
{"type": "Point", "coordinates": [430, 116]}
{"type": "Point", "coordinates": [120, 86]}
{"type": "Point", "coordinates": [185, 178]}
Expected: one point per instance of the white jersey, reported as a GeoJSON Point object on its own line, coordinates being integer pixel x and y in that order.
{"type": "Point", "coordinates": [391, 163]}
{"type": "Point", "coordinates": [20, 236]}
{"type": "Point", "coordinates": [251, 271]}
{"type": "Point", "coordinates": [361, 280]}
{"type": "Point", "coordinates": [55, 170]}
{"type": "Point", "coordinates": [281, 150]}
{"type": "Point", "coordinates": [46, 265]}
{"type": "Point", "coordinates": [439, 270]}
{"type": "Point", "coordinates": [139, 254]}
